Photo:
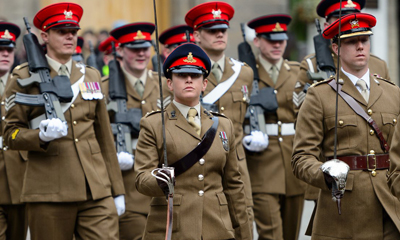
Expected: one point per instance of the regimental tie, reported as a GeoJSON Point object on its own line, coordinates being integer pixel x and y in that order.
{"type": "Point", "coordinates": [364, 90]}
{"type": "Point", "coordinates": [216, 72]}
{"type": "Point", "coordinates": [63, 70]}
{"type": "Point", "coordinates": [139, 87]}
{"type": "Point", "coordinates": [274, 73]}
{"type": "Point", "coordinates": [191, 114]}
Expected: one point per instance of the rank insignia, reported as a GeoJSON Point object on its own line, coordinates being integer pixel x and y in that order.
{"type": "Point", "coordinates": [216, 13]}
{"type": "Point", "coordinates": [14, 134]}
{"type": "Point", "coordinates": [354, 23]}
{"type": "Point", "coordinates": [90, 90]}
{"type": "Point", "coordinates": [6, 35]}
{"type": "Point", "coordinates": [68, 14]}
{"type": "Point", "coordinates": [277, 28]}
{"type": "Point", "coordinates": [224, 140]}
{"type": "Point", "coordinates": [139, 35]}
{"type": "Point", "coordinates": [189, 58]}
{"type": "Point", "coordinates": [350, 4]}
{"type": "Point", "coordinates": [245, 92]}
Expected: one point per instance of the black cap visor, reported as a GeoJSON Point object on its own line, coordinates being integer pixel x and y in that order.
{"type": "Point", "coordinates": [7, 43]}
{"type": "Point", "coordinates": [275, 36]}
{"type": "Point", "coordinates": [216, 26]}
{"type": "Point", "coordinates": [141, 44]}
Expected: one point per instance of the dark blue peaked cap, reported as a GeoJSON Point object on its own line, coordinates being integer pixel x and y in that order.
{"type": "Point", "coordinates": [187, 58]}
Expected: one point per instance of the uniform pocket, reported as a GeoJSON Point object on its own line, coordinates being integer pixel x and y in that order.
{"type": "Point", "coordinates": [389, 121]}
{"type": "Point", "coordinates": [224, 211]}
{"type": "Point", "coordinates": [238, 105]}
{"type": "Point", "coordinates": [347, 129]}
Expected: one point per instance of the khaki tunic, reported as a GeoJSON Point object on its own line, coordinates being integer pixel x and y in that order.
{"type": "Point", "coordinates": [232, 105]}
{"type": "Point", "coordinates": [136, 201]}
{"type": "Point", "coordinates": [270, 171]}
{"type": "Point", "coordinates": [221, 209]}
{"type": "Point", "coordinates": [366, 196]}
{"type": "Point", "coordinates": [61, 170]}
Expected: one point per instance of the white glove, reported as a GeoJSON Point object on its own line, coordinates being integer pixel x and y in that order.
{"type": "Point", "coordinates": [256, 142]}
{"type": "Point", "coordinates": [120, 204]}
{"type": "Point", "coordinates": [125, 160]}
{"type": "Point", "coordinates": [51, 129]}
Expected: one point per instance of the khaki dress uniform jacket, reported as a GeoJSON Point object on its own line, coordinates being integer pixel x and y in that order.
{"type": "Point", "coordinates": [234, 105]}
{"type": "Point", "coordinates": [209, 199]}
{"type": "Point", "coordinates": [366, 197]}
{"type": "Point", "coordinates": [61, 170]}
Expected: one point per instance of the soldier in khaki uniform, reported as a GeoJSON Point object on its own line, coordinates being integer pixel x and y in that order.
{"type": "Point", "coordinates": [72, 173]}
{"type": "Point", "coordinates": [210, 22]}
{"type": "Point", "coordinates": [209, 199]}
{"type": "Point", "coordinates": [13, 222]}
{"type": "Point", "coordinates": [278, 196]}
{"type": "Point", "coordinates": [134, 48]}
{"type": "Point", "coordinates": [368, 210]}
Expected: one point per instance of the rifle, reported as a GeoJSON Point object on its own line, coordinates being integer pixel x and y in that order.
{"type": "Point", "coordinates": [323, 54]}
{"type": "Point", "coordinates": [91, 60]}
{"type": "Point", "coordinates": [260, 101]}
{"type": "Point", "coordinates": [126, 121]}
{"type": "Point", "coordinates": [52, 91]}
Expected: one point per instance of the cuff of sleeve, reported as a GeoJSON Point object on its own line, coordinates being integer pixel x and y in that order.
{"type": "Point", "coordinates": [243, 232]}
{"type": "Point", "coordinates": [117, 188]}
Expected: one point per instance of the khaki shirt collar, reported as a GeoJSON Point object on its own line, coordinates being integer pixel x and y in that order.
{"type": "Point", "coordinates": [185, 109]}
{"type": "Point", "coordinates": [267, 65]}
{"type": "Point", "coordinates": [56, 65]}
{"type": "Point", "coordinates": [354, 79]}
{"type": "Point", "coordinates": [221, 63]}
{"type": "Point", "coordinates": [132, 79]}
{"type": "Point", "coordinates": [4, 78]}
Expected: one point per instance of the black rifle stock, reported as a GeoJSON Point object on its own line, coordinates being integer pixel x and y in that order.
{"type": "Point", "coordinates": [52, 91]}
{"type": "Point", "coordinates": [126, 121]}
{"type": "Point", "coordinates": [325, 65]}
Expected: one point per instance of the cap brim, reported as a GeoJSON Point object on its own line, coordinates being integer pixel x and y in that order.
{"type": "Point", "coordinates": [145, 44]}
{"type": "Point", "coordinates": [216, 26]}
{"type": "Point", "coordinates": [275, 36]}
{"type": "Point", "coordinates": [187, 69]}
{"type": "Point", "coordinates": [63, 26]}
{"type": "Point", "coordinates": [355, 34]}
{"type": "Point", "coordinates": [7, 43]}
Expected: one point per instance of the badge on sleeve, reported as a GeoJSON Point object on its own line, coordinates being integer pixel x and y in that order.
{"type": "Point", "coordinates": [90, 90]}
{"type": "Point", "coordinates": [224, 140]}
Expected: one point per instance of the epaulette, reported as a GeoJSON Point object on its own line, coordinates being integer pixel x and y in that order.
{"type": "Point", "coordinates": [374, 56]}
{"type": "Point", "coordinates": [151, 113]}
{"type": "Point", "coordinates": [377, 77]}
{"type": "Point", "coordinates": [105, 78]}
{"type": "Point", "coordinates": [215, 114]}
{"type": "Point", "coordinates": [23, 65]}
{"type": "Point", "coordinates": [323, 81]}
{"type": "Point", "coordinates": [310, 56]}
{"type": "Point", "coordinates": [292, 63]}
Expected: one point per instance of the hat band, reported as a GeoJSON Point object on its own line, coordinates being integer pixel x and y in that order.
{"type": "Point", "coordinates": [187, 67]}
{"type": "Point", "coordinates": [61, 21]}
{"type": "Point", "coordinates": [351, 32]}
{"type": "Point", "coordinates": [211, 21]}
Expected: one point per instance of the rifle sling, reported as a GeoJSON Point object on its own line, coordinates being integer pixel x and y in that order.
{"type": "Point", "coordinates": [198, 152]}
{"type": "Point", "coordinates": [360, 111]}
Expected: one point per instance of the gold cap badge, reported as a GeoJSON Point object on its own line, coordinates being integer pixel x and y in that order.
{"type": "Point", "coordinates": [217, 13]}
{"type": "Point", "coordinates": [277, 28]}
{"type": "Point", "coordinates": [354, 23]}
{"type": "Point", "coordinates": [6, 35]}
{"type": "Point", "coordinates": [189, 58]}
{"type": "Point", "coordinates": [350, 4]}
{"type": "Point", "coordinates": [139, 35]}
{"type": "Point", "coordinates": [68, 14]}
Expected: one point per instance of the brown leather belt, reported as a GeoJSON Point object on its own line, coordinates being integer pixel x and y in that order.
{"type": "Point", "coordinates": [368, 162]}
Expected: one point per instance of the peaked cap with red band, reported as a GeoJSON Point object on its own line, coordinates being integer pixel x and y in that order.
{"type": "Point", "coordinates": [9, 33]}
{"type": "Point", "coordinates": [58, 15]}
{"type": "Point", "coordinates": [354, 24]}
{"type": "Point", "coordinates": [134, 35]}
{"type": "Point", "coordinates": [210, 15]}
{"type": "Point", "coordinates": [176, 35]}
{"type": "Point", "coordinates": [187, 58]}
{"type": "Point", "coordinates": [331, 8]}
{"type": "Point", "coordinates": [272, 27]}
{"type": "Point", "coordinates": [106, 47]}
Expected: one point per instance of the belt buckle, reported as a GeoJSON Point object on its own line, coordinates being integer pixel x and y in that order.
{"type": "Point", "coordinates": [372, 170]}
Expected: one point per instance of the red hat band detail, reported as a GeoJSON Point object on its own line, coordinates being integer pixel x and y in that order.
{"type": "Point", "coordinates": [136, 36]}
{"type": "Point", "coordinates": [179, 38]}
{"type": "Point", "coordinates": [64, 13]}
{"type": "Point", "coordinates": [7, 35]}
{"type": "Point", "coordinates": [205, 20]}
{"type": "Point", "coordinates": [188, 60]}
{"type": "Point", "coordinates": [352, 25]}
{"type": "Point", "coordinates": [277, 27]}
{"type": "Point", "coordinates": [345, 4]}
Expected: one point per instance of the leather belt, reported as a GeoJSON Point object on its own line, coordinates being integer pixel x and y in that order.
{"type": "Point", "coordinates": [368, 162]}
{"type": "Point", "coordinates": [279, 129]}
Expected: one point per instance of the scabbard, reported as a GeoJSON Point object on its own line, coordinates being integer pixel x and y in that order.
{"type": "Point", "coordinates": [170, 214]}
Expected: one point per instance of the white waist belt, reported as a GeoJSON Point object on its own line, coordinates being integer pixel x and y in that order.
{"type": "Point", "coordinates": [272, 129]}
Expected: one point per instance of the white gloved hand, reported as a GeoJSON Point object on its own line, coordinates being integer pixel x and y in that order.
{"type": "Point", "coordinates": [120, 204]}
{"type": "Point", "coordinates": [51, 129]}
{"type": "Point", "coordinates": [257, 141]}
{"type": "Point", "coordinates": [125, 160]}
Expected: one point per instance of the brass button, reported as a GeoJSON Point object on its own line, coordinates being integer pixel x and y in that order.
{"type": "Point", "coordinates": [373, 173]}
{"type": "Point", "coordinates": [279, 123]}
{"type": "Point", "coordinates": [3, 118]}
{"type": "Point", "coordinates": [222, 108]}
{"type": "Point", "coordinates": [276, 91]}
{"type": "Point", "coordinates": [74, 122]}
{"type": "Point", "coordinates": [369, 112]}
{"type": "Point", "coordinates": [143, 102]}
{"type": "Point", "coordinates": [280, 139]}
{"type": "Point", "coordinates": [76, 140]}
{"type": "Point", "coordinates": [201, 177]}
{"type": "Point", "coordinates": [72, 105]}
{"type": "Point", "coordinates": [202, 161]}
{"type": "Point", "coordinates": [2, 103]}
{"type": "Point", "coordinates": [244, 99]}
{"type": "Point", "coordinates": [341, 122]}
{"type": "Point", "coordinates": [394, 120]}
{"type": "Point", "coordinates": [5, 148]}
{"type": "Point", "coordinates": [201, 193]}
{"type": "Point", "coordinates": [372, 152]}
{"type": "Point", "coordinates": [371, 132]}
